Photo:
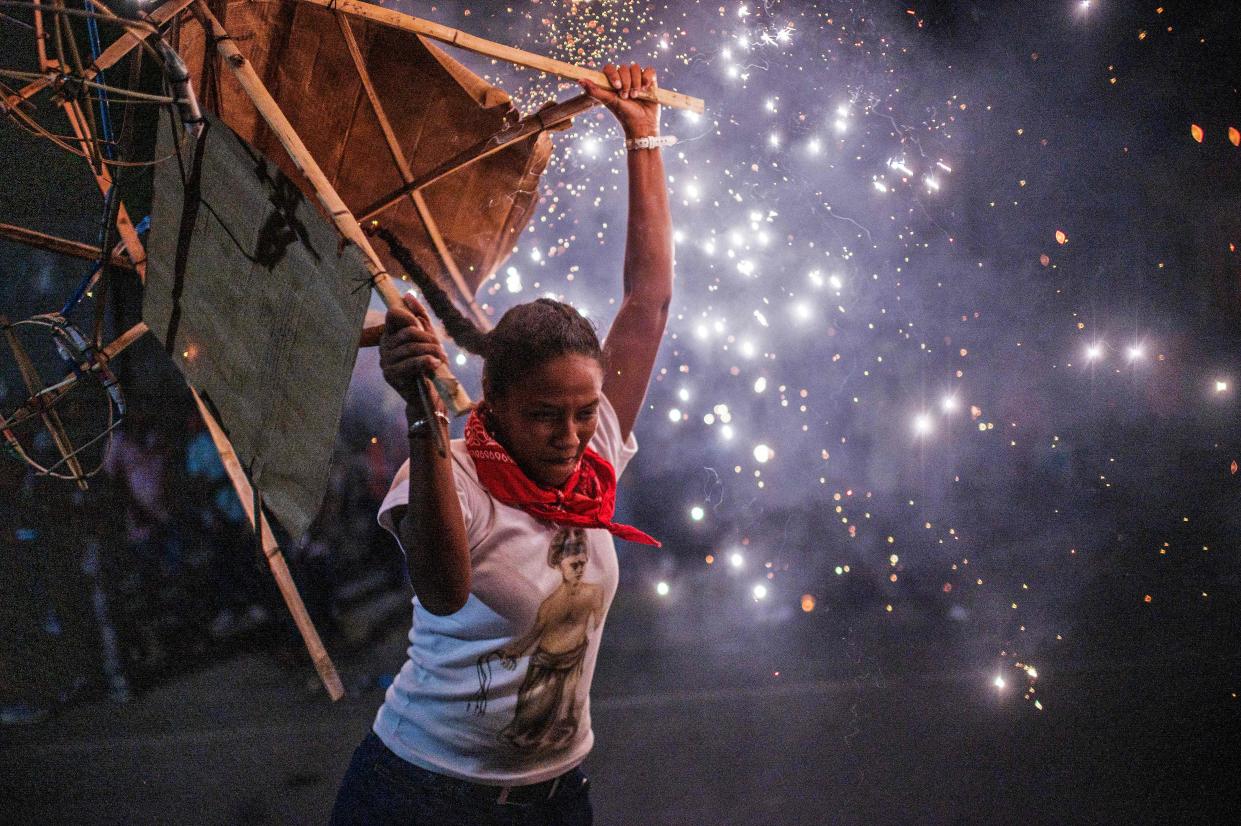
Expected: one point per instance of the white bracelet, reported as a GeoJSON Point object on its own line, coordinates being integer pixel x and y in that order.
{"type": "Point", "coordinates": [650, 142]}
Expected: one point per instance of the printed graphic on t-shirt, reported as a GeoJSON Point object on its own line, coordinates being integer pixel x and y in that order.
{"type": "Point", "coordinates": [547, 705]}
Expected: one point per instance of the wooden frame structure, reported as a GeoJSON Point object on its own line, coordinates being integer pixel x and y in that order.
{"type": "Point", "coordinates": [137, 256]}
{"type": "Point", "coordinates": [345, 222]}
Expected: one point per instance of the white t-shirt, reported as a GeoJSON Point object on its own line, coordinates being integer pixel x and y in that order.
{"type": "Point", "coordinates": [538, 597]}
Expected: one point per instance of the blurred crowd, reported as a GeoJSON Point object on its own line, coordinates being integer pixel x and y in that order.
{"type": "Point", "coordinates": [156, 570]}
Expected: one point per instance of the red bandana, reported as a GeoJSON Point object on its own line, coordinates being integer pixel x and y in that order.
{"type": "Point", "coordinates": [586, 500]}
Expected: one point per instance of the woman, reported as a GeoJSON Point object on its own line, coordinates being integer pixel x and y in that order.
{"type": "Point", "coordinates": [509, 538]}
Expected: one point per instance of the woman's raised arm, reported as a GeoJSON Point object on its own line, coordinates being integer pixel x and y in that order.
{"type": "Point", "coordinates": [633, 341]}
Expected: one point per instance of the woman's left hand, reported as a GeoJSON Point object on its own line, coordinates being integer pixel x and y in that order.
{"type": "Point", "coordinates": [638, 117]}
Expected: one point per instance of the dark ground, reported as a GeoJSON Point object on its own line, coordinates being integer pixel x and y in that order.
{"type": "Point", "coordinates": [866, 722]}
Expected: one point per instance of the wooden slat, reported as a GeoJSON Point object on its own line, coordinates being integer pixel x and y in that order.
{"type": "Point", "coordinates": [116, 345]}
{"type": "Point", "coordinates": [407, 175]}
{"type": "Point", "coordinates": [64, 246]}
{"type": "Point", "coordinates": [103, 178]}
{"type": "Point", "coordinates": [523, 129]}
{"type": "Point", "coordinates": [271, 550]}
{"type": "Point", "coordinates": [478, 45]}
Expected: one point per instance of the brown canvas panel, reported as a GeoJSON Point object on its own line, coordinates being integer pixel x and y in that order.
{"type": "Point", "coordinates": [436, 108]}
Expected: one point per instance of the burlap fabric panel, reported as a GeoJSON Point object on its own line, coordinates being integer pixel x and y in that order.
{"type": "Point", "coordinates": [255, 298]}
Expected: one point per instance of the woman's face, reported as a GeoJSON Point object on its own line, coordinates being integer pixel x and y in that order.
{"type": "Point", "coordinates": [546, 419]}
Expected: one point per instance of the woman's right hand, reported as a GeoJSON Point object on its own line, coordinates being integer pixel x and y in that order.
{"type": "Point", "coordinates": [409, 350]}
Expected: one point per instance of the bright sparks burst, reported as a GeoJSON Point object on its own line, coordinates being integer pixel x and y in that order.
{"type": "Point", "coordinates": [879, 285]}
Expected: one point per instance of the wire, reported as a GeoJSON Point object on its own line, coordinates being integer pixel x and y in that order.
{"type": "Point", "coordinates": [59, 80]}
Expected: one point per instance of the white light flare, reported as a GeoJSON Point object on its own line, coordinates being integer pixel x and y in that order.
{"type": "Point", "coordinates": [900, 166]}
{"type": "Point", "coordinates": [512, 280]}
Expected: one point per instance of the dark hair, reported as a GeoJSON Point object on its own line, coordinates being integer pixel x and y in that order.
{"type": "Point", "coordinates": [565, 539]}
{"type": "Point", "coordinates": [526, 336]}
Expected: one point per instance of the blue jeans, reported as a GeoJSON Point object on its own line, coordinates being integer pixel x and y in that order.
{"type": "Point", "coordinates": [381, 788]}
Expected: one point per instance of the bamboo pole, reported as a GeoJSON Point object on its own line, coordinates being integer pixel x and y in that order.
{"type": "Point", "coordinates": [407, 175]}
{"type": "Point", "coordinates": [64, 246]}
{"type": "Point", "coordinates": [487, 48]}
{"type": "Point", "coordinates": [81, 129]}
{"type": "Point", "coordinates": [530, 125]}
{"type": "Point", "coordinates": [108, 57]}
{"type": "Point", "coordinates": [445, 382]}
{"type": "Point", "coordinates": [103, 179]}
{"type": "Point", "coordinates": [116, 345]}
{"type": "Point", "coordinates": [271, 550]}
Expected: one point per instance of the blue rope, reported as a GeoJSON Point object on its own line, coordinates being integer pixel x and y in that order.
{"type": "Point", "coordinates": [105, 124]}
{"type": "Point", "coordinates": [92, 30]}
